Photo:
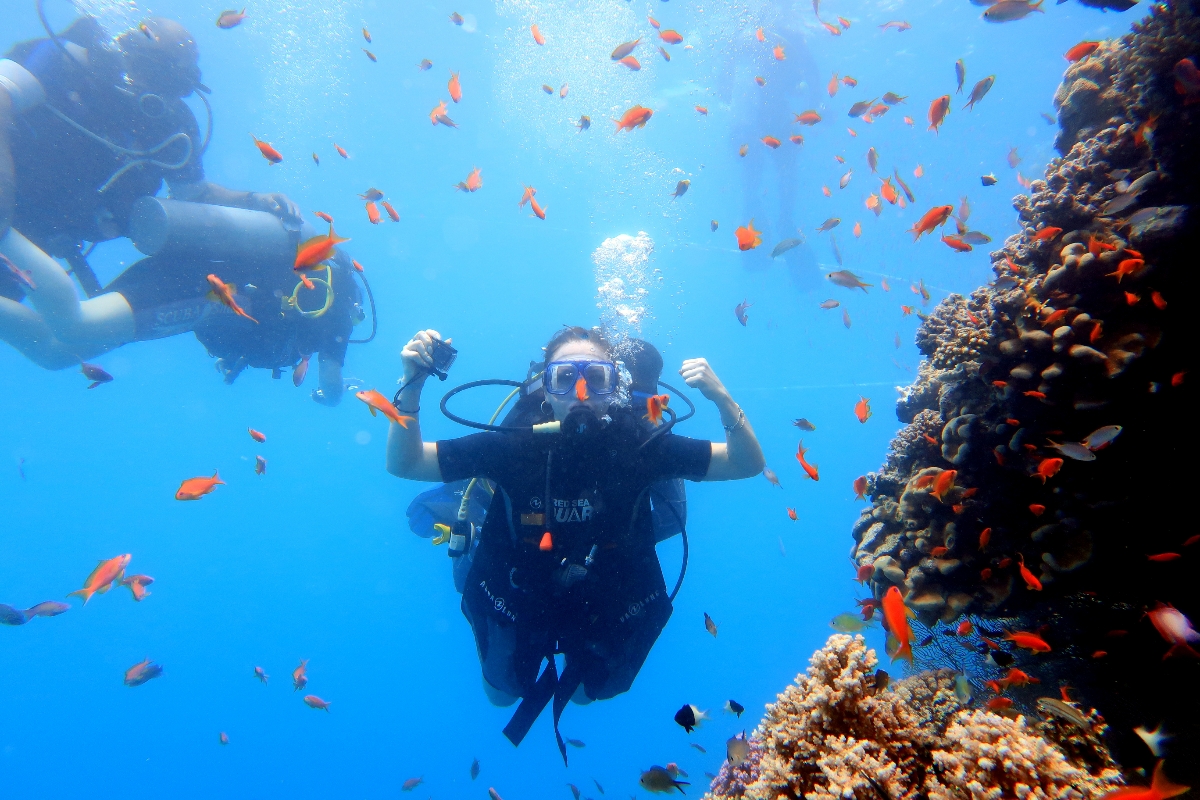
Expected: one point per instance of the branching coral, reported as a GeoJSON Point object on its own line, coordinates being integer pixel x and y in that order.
{"type": "Point", "coordinates": [989, 757]}
{"type": "Point", "coordinates": [832, 735]}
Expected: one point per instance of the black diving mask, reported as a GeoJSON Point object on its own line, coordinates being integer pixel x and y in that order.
{"type": "Point", "coordinates": [560, 377]}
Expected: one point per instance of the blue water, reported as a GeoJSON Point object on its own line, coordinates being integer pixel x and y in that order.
{"type": "Point", "coordinates": [314, 560]}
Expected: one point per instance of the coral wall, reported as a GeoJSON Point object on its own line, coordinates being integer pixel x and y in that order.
{"type": "Point", "coordinates": [1084, 327]}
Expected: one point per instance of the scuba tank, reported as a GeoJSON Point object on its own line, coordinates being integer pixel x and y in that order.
{"type": "Point", "coordinates": [200, 231]}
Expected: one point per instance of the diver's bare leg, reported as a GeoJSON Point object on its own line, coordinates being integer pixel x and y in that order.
{"type": "Point", "coordinates": [101, 322]}
{"type": "Point", "coordinates": [28, 333]}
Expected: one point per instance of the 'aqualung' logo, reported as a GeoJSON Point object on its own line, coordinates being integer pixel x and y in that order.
{"type": "Point", "coordinates": [572, 510]}
{"type": "Point", "coordinates": [638, 606]}
{"type": "Point", "coordinates": [498, 602]}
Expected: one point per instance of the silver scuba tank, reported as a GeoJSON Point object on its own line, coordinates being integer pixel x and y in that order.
{"type": "Point", "coordinates": [179, 229]}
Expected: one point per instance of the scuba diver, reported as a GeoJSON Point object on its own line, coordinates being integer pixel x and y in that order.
{"type": "Point", "coordinates": [565, 562]}
{"type": "Point", "coordinates": [88, 127]}
{"type": "Point", "coordinates": [431, 513]}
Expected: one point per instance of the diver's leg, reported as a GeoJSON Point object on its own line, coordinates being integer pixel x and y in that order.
{"type": "Point", "coordinates": [28, 333]}
{"type": "Point", "coordinates": [330, 371]}
{"type": "Point", "coordinates": [102, 321]}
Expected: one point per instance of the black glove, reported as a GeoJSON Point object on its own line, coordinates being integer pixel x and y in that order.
{"type": "Point", "coordinates": [276, 203]}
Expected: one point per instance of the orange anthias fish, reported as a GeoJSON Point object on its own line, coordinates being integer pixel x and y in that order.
{"type": "Point", "coordinates": [809, 117]}
{"type": "Point", "coordinates": [195, 488]}
{"type": "Point", "coordinates": [809, 469]}
{"type": "Point", "coordinates": [1030, 579]}
{"type": "Point", "coordinates": [631, 62]}
{"type": "Point", "coordinates": [747, 237]}
{"type": "Point", "coordinates": [393, 215]}
{"type": "Point", "coordinates": [538, 210]}
{"type": "Point", "coordinates": [312, 701]}
{"type": "Point", "coordinates": [377, 402]}
{"type": "Point", "coordinates": [792, 515]}
{"type": "Point", "coordinates": [895, 614]}
{"type": "Point", "coordinates": [142, 672]}
{"type": "Point", "coordinates": [224, 293]}
{"type": "Point", "coordinates": [1048, 468]}
{"type": "Point", "coordinates": [454, 87]}
{"type": "Point", "coordinates": [312, 252]}
{"type": "Point", "coordinates": [581, 392]}
{"type": "Point", "coordinates": [862, 409]}
{"type": "Point", "coordinates": [103, 577]}
{"type": "Point", "coordinates": [1029, 641]}
{"type": "Point", "coordinates": [324, 216]}
{"type": "Point", "coordinates": [1081, 51]}
{"type": "Point", "coordinates": [888, 191]}
{"type": "Point", "coordinates": [938, 110]}
{"type": "Point", "coordinates": [771, 142]}
{"type": "Point", "coordinates": [473, 183]}
{"type": "Point", "coordinates": [257, 436]}
{"type": "Point", "coordinates": [229, 19]}
{"type": "Point", "coordinates": [438, 111]}
{"type": "Point", "coordinates": [860, 487]}
{"type": "Point", "coordinates": [943, 483]}
{"type": "Point", "coordinates": [341, 151]}
{"type": "Point", "coordinates": [933, 218]}
{"type": "Point", "coordinates": [655, 404]}
{"type": "Point", "coordinates": [300, 676]}
{"type": "Point", "coordinates": [1048, 232]}
{"type": "Point", "coordinates": [1160, 788]}
{"type": "Point", "coordinates": [670, 37]}
{"type": "Point", "coordinates": [778, 53]}
{"type": "Point", "coordinates": [636, 117]}
{"type": "Point", "coordinates": [526, 195]}
{"type": "Point", "coordinates": [833, 85]}
{"type": "Point", "coordinates": [537, 35]}
{"type": "Point", "coordinates": [137, 586]}
{"type": "Point", "coordinates": [373, 214]}
{"type": "Point", "coordinates": [268, 152]}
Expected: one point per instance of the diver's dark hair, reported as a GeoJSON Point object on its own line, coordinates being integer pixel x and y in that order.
{"type": "Point", "coordinates": [574, 333]}
{"type": "Point", "coordinates": [645, 365]}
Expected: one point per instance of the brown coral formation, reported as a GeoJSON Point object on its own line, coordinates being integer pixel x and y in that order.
{"type": "Point", "coordinates": [1082, 328]}
{"type": "Point", "coordinates": [832, 735]}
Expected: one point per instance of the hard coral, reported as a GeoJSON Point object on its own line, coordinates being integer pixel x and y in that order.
{"type": "Point", "coordinates": [832, 735]}
{"type": "Point", "coordinates": [989, 757]}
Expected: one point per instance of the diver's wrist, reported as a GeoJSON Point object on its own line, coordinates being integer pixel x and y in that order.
{"type": "Point", "coordinates": [727, 407]}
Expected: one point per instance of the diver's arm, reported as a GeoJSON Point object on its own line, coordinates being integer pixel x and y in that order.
{"type": "Point", "coordinates": [215, 194]}
{"type": "Point", "coordinates": [408, 455]}
{"type": "Point", "coordinates": [329, 393]}
{"type": "Point", "coordinates": [740, 455]}
{"type": "Point", "coordinates": [8, 179]}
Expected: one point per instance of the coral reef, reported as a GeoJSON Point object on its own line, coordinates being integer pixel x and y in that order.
{"type": "Point", "coordinates": [1081, 329]}
{"type": "Point", "coordinates": [833, 734]}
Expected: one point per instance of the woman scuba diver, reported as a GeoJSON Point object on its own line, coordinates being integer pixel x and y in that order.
{"type": "Point", "coordinates": [570, 566]}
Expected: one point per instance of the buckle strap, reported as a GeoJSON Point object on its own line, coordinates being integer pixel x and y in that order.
{"type": "Point", "coordinates": [548, 686]}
